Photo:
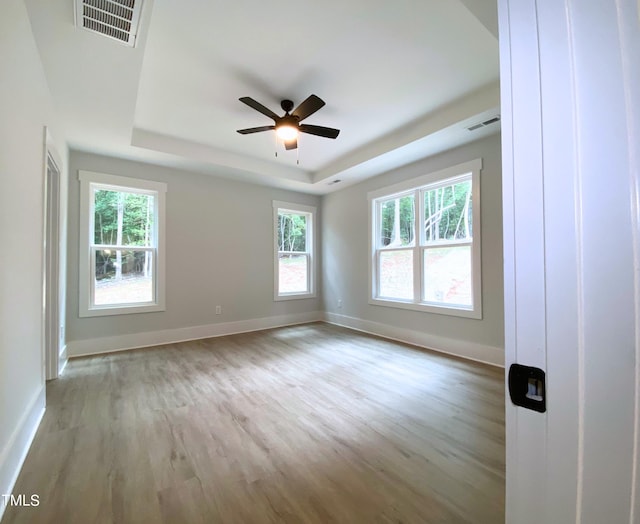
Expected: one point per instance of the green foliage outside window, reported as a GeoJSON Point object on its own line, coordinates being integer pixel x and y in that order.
{"type": "Point", "coordinates": [398, 221]}
{"type": "Point", "coordinates": [447, 212]}
{"type": "Point", "coordinates": [132, 213]}
{"type": "Point", "coordinates": [292, 232]}
{"type": "Point", "coordinates": [122, 219]}
{"type": "Point", "coordinates": [447, 216]}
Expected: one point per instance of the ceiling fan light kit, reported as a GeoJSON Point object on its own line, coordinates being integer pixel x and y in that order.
{"type": "Point", "coordinates": [288, 127]}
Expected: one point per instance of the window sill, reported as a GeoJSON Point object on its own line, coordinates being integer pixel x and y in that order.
{"type": "Point", "coordinates": [428, 308]}
{"type": "Point", "coordinates": [121, 310]}
{"type": "Point", "coordinates": [293, 296]}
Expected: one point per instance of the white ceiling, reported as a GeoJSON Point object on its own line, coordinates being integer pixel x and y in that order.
{"type": "Point", "coordinates": [401, 80]}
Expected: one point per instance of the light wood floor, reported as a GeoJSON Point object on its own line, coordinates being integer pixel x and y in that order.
{"type": "Point", "coordinates": [309, 423]}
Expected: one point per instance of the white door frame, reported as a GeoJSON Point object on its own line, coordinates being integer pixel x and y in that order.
{"type": "Point", "coordinates": [570, 81]}
{"type": "Point", "coordinates": [51, 264]}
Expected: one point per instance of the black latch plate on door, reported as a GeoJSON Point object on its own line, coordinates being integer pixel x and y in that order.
{"type": "Point", "coordinates": [527, 387]}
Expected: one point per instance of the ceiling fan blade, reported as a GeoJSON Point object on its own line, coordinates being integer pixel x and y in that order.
{"type": "Point", "coordinates": [255, 129]}
{"type": "Point", "coordinates": [327, 132]}
{"type": "Point", "coordinates": [259, 107]}
{"type": "Point", "coordinates": [308, 107]}
{"type": "Point", "coordinates": [291, 144]}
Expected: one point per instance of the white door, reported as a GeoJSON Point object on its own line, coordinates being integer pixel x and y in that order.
{"type": "Point", "coordinates": [570, 75]}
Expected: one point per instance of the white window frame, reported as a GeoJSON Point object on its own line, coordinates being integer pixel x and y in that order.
{"type": "Point", "coordinates": [310, 213]}
{"type": "Point", "coordinates": [417, 186]}
{"type": "Point", "coordinates": [89, 181]}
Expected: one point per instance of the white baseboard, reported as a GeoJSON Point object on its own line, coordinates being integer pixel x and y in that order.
{"type": "Point", "coordinates": [470, 350]}
{"type": "Point", "coordinates": [77, 348]}
{"type": "Point", "coordinates": [461, 348]}
{"type": "Point", "coordinates": [13, 455]}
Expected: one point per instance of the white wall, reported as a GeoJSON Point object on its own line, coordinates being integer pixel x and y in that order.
{"type": "Point", "coordinates": [345, 262]}
{"type": "Point", "coordinates": [25, 108]}
{"type": "Point", "coordinates": [219, 242]}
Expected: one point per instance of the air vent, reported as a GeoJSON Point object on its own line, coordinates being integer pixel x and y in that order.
{"type": "Point", "coordinates": [116, 19]}
{"type": "Point", "coordinates": [486, 123]}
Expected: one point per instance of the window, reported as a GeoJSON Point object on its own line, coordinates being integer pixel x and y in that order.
{"type": "Point", "coordinates": [121, 245]}
{"type": "Point", "coordinates": [294, 268]}
{"type": "Point", "coordinates": [425, 243]}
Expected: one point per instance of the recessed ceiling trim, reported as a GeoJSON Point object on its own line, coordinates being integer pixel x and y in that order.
{"type": "Point", "coordinates": [115, 19]}
{"type": "Point", "coordinates": [206, 153]}
{"type": "Point", "coordinates": [483, 99]}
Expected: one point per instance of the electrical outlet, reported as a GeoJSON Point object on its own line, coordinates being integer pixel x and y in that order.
{"type": "Point", "coordinates": [218, 310]}
{"type": "Point", "coordinates": [339, 303]}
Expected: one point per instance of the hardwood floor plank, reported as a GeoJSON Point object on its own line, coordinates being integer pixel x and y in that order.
{"type": "Point", "coordinates": [304, 424]}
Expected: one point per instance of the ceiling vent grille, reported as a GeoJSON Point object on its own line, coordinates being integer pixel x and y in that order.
{"type": "Point", "coordinates": [116, 19]}
{"type": "Point", "coordinates": [486, 123]}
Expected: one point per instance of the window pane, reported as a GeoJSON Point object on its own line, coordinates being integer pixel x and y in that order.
{"type": "Point", "coordinates": [447, 274]}
{"type": "Point", "coordinates": [447, 213]}
{"type": "Point", "coordinates": [292, 232]}
{"type": "Point", "coordinates": [124, 219]}
{"type": "Point", "coordinates": [396, 274]}
{"type": "Point", "coordinates": [398, 221]}
{"type": "Point", "coordinates": [123, 277]}
{"type": "Point", "coordinates": [292, 273]}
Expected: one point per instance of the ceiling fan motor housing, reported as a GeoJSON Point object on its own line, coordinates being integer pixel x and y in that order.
{"type": "Point", "coordinates": [286, 105]}
{"type": "Point", "coordinates": [288, 120]}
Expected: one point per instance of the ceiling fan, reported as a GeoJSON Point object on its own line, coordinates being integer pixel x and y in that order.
{"type": "Point", "coordinates": [288, 126]}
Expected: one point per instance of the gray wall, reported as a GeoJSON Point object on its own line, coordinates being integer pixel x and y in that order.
{"type": "Point", "coordinates": [219, 241]}
{"type": "Point", "coordinates": [220, 252]}
{"type": "Point", "coordinates": [345, 256]}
